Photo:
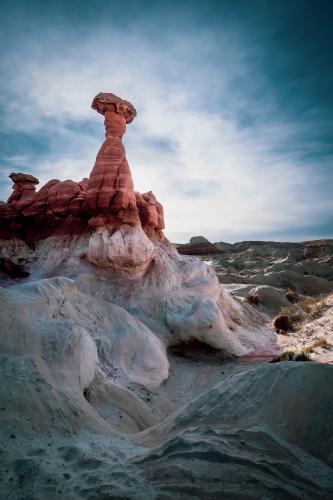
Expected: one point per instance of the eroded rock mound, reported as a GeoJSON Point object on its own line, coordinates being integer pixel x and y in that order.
{"type": "Point", "coordinates": [211, 444]}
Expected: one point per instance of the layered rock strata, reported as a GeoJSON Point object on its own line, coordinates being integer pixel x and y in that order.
{"type": "Point", "coordinates": [107, 199]}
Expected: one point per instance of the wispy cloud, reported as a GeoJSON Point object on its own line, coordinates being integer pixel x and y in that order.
{"type": "Point", "coordinates": [220, 157]}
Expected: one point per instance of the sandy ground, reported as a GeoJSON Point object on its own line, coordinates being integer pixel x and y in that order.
{"type": "Point", "coordinates": [78, 422]}
{"type": "Point", "coordinates": [190, 377]}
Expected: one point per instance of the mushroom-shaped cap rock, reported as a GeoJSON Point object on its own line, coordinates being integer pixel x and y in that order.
{"type": "Point", "coordinates": [20, 177]}
{"type": "Point", "coordinates": [105, 101]}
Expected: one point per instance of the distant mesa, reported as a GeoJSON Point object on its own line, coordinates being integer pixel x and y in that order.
{"type": "Point", "coordinates": [198, 240]}
{"type": "Point", "coordinates": [198, 245]}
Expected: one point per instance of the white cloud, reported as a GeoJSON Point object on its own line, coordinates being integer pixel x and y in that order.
{"type": "Point", "coordinates": [256, 191]}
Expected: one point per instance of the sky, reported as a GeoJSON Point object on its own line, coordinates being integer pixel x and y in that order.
{"type": "Point", "coordinates": [234, 132]}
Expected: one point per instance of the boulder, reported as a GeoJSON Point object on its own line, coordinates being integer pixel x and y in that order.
{"type": "Point", "coordinates": [269, 299]}
{"type": "Point", "coordinates": [127, 249]}
{"type": "Point", "coordinates": [282, 323]}
{"type": "Point", "coordinates": [12, 269]}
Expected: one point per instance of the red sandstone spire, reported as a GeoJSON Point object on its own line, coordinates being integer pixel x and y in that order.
{"type": "Point", "coordinates": [110, 188]}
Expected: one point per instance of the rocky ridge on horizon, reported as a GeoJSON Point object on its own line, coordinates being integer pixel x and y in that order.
{"type": "Point", "coordinates": [305, 267]}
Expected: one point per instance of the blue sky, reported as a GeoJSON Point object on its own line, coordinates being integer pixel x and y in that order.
{"type": "Point", "coordinates": [235, 106]}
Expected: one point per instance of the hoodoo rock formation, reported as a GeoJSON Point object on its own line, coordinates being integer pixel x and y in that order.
{"type": "Point", "coordinates": [106, 200]}
{"type": "Point", "coordinates": [109, 239]}
{"type": "Point", "coordinates": [110, 189]}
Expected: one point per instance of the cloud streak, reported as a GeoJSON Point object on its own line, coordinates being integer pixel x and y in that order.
{"type": "Point", "coordinates": [220, 158]}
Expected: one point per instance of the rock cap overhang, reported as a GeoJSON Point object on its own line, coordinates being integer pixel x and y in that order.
{"type": "Point", "coordinates": [21, 177]}
{"type": "Point", "coordinates": [105, 101]}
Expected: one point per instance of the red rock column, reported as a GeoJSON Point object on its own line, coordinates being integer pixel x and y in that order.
{"type": "Point", "coordinates": [110, 188]}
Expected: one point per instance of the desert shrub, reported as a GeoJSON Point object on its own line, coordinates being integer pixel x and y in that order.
{"type": "Point", "coordinates": [294, 313]}
{"type": "Point", "coordinates": [302, 356]}
{"type": "Point", "coordinates": [313, 306]}
{"type": "Point", "coordinates": [291, 296]}
{"type": "Point", "coordinates": [253, 299]}
{"type": "Point", "coordinates": [306, 307]}
{"type": "Point", "coordinates": [318, 309]}
{"type": "Point", "coordinates": [321, 342]}
{"type": "Point", "coordinates": [285, 356]}
{"type": "Point", "coordinates": [285, 311]}
{"type": "Point", "coordinates": [307, 303]}
{"type": "Point", "coordinates": [291, 356]}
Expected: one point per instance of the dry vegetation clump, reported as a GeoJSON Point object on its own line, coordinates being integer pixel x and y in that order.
{"type": "Point", "coordinates": [321, 342]}
{"type": "Point", "coordinates": [254, 300]}
{"type": "Point", "coordinates": [294, 313]}
{"type": "Point", "coordinates": [304, 308]}
{"type": "Point", "coordinates": [291, 296]}
{"type": "Point", "coordinates": [291, 356]}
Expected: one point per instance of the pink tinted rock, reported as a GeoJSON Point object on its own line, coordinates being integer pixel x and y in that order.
{"type": "Point", "coordinates": [21, 177]}
{"type": "Point", "coordinates": [105, 101]}
{"type": "Point", "coordinates": [150, 211]}
{"type": "Point", "coordinates": [15, 196]}
{"type": "Point", "coordinates": [24, 189]}
{"type": "Point", "coordinates": [84, 183]}
{"type": "Point", "coordinates": [105, 199]}
{"type": "Point", "coordinates": [60, 195]}
{"type": "Point", "coordinates": [76, 205]}
{"type": "Point", "coordinates": [26, 199]}
{"type": "Point", "coordinates": [110, 188]}
{"type": "Point", "coordinates": [8, 212]}
{"type": "Point", "coordinates": [39, 205]}
{"type": "Point", "coordinates": [128, 249]}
